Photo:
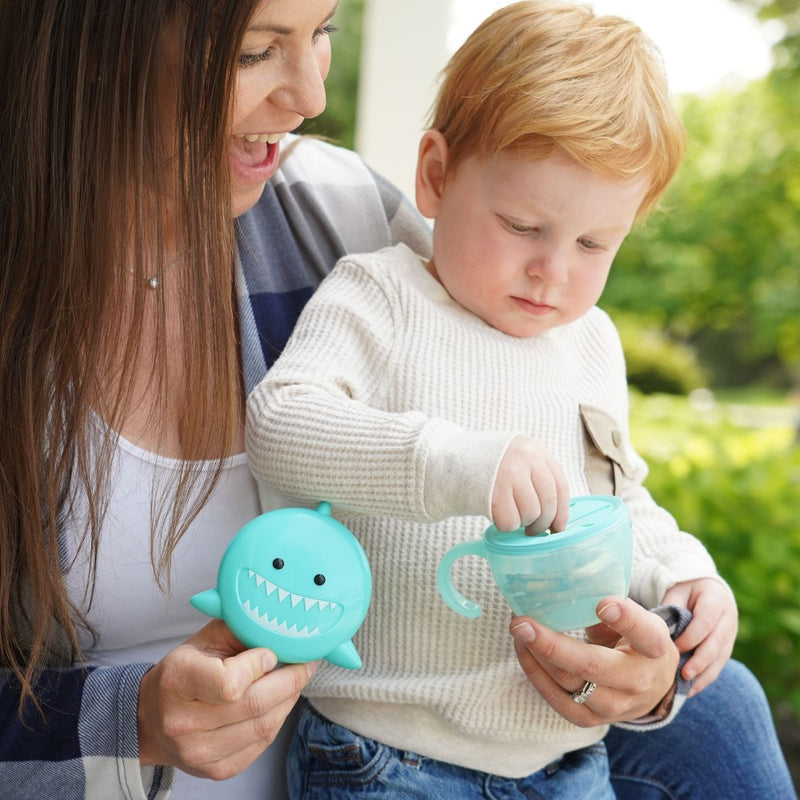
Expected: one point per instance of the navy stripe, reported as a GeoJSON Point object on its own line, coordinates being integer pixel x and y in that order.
{"type": "Point", "coordinates": [276, 315]}
{"type": "Point", "coordinates": [32, 738]}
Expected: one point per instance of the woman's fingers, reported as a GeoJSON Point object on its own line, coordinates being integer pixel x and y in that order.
{"type": "Point", "coordinates": [209, 703]}
{"type": "Point", "coordinates": [225, 751]}
{"type": "Point", "coordinates": [558, 694]}
{"type": "Point", "coordinates": [631, 677]}
{"type": "Point", "coordinates": [644, 632]}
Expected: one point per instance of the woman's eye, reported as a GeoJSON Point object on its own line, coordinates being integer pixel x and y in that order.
{"type": "Point", "coordinates": [251, 59]}
{"type": "Point", "coordinates": [325, 30]}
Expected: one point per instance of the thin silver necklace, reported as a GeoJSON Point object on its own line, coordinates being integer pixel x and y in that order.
{"type": "Point", "coordinates": [153, 281]}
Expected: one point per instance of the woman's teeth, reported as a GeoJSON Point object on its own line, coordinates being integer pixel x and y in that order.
{"type": "Point", "coordinates": [268, 138]}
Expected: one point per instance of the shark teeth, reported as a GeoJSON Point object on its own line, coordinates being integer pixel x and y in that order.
{"type": "Point", "coordinates": [309, 602]}
{"type": "Point", "coordinates": [290, 614]}
{"type": "Point", "coordinates": [272, 623]}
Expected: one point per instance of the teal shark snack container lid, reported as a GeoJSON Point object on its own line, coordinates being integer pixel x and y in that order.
{"type": "Point", "coordinates": [294, 580]}
{"type": "Point", "coordinates": [589, 517]}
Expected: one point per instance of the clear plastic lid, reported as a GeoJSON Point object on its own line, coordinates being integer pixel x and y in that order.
{"type": "Point", "coordinates": [588, 517]}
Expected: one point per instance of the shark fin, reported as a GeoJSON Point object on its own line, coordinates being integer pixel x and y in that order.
{"type": "Point", "coordinates": [208, 602]}
{"type": "Point", "coordinates": [345, 655]}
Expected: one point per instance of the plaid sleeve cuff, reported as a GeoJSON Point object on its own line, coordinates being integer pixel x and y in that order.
{"type": "Point", "coordinates": [110, 747]}
{"type": "Point", "coordinates": [87, 743]}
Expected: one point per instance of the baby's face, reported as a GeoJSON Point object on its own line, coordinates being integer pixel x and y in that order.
{"type": "Point", "coordinates": [527, 245]}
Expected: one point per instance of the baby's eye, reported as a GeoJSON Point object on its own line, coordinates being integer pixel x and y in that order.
{"type": "Point", "coordinates": [588, 244]}
{"type": "Point", "coordinates": [521, 228]}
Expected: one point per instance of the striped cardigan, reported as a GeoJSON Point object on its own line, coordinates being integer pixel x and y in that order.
{"type": "Point", "coordinates": [322, 203]}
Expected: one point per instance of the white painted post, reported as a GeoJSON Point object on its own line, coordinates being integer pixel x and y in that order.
{"type": "Point", "coordinates": [404, 48]}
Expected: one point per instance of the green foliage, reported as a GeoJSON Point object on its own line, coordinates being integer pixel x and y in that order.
{"type": "Point", "coordinates": [719, 266]}
{"type": "Point", "coordinates": [734, 481]}
{"type": "Point", "coordinates": [655, 362]}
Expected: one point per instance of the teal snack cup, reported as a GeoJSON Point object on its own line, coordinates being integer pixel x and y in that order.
{"type": "Point", "coordinates": [556, 578]}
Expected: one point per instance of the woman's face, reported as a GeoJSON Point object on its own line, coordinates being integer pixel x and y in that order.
{"type": "Point", "coordinates": [283, 63]}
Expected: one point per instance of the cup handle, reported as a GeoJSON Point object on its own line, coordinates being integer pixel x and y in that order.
{"type": "Point", "coordinates": [444, 579]}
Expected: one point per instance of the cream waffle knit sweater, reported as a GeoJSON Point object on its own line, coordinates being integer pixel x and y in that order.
{"type": "Point", "coordinates": [395, 404]}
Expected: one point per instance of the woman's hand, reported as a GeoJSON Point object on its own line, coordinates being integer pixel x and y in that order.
{"type": "Point", "coordinates": [211, 707]}
{"type": "Point", "coordinates": [530, 489]}
{"type": "Point", "coordinates": [712, 631]}
{"type": "Point", "coordinates": [631, 658]}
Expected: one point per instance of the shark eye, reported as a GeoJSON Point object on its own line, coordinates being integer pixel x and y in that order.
{"type": "Point", "coordinates": [278, 563]}
{"type": "Point", "coordinates": [319, 579]}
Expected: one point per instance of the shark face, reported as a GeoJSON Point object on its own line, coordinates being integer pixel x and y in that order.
{"type": "Point", "coordinates": [296, 581]}
{"type": "Point", "coordinates": [276, 608]}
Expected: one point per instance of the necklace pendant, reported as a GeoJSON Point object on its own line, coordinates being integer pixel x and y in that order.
{"type": "Point", "coordinates": [153, 282]}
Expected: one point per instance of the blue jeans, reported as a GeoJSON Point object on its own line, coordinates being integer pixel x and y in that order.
{"type": "Point", "coordinates": [329, 762]}
{"type": "Point", "coordinates": [721, 746]}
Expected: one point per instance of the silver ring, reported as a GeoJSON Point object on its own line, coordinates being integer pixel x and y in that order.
{"type": "Point", "coordinates": [585, 693]}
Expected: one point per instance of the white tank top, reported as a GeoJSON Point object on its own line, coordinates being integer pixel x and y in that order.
{"type": "Point", "coordinates": [134, 621]}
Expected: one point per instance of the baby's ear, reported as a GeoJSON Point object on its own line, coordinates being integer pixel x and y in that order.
{"type": "Point", "coordinates": [431, 169]}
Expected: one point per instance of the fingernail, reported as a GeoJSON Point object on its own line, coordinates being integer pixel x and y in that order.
{"type": "Point", "coordinates": [311, 668]}
{"type": "Point", "coordinates": [610, 613]}
{"type": "Point", "coordinates": [523, 632]}
{"type": "Point", "coordinates": [270, 661]}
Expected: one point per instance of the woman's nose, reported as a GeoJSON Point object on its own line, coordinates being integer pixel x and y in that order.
{"type": "Point", "coordinates": [303, 91]}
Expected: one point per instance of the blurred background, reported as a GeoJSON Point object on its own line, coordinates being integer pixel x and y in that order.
{"type": "Point", "coordinates": [706, 294]}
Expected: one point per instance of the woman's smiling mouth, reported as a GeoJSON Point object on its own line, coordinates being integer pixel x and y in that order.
{"type": "Point", "coordinates": [254, 156]}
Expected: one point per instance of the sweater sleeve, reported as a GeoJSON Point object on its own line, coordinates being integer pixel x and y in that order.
{"type": "Point", "coordinates": [319, 419]}
{"type": "Point", "coordinates": [84, 744]}
{"type": "Point", "coordinates": [663, 554]}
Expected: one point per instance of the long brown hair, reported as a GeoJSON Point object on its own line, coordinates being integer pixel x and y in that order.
{"type": "Point", "coordinates": [88, 158]}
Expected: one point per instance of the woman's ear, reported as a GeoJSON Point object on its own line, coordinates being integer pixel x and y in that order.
{"type": "Point", "coordinates": [431, 170]}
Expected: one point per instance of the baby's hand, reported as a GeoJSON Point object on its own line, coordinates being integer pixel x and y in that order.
{"type": "Point", "coordinates": [712, 631]}
{"type": "Point", "coordinates": [530, 489]}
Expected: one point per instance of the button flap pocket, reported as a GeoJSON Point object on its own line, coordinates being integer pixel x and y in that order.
{"type": "Point", "coordinates": [606, 462]}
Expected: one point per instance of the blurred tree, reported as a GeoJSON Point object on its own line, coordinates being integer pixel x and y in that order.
{"type": "Point", "coordinates": [787, 12]}
{"type": "Point", "coordinates": [337, 122]}
{"type": "Point", "coordinates": [719, 268]}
